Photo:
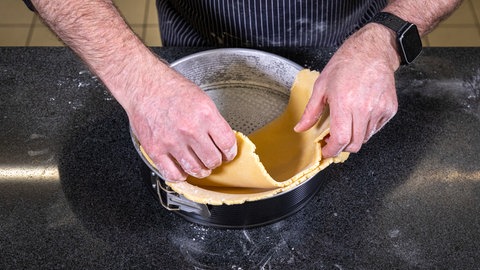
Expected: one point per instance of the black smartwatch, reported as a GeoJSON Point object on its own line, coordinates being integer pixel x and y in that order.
{"type": "Point", "coordinates": [408, 38]}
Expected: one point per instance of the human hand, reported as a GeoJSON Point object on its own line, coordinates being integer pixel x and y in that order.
{"type": "Point", "coordinates": [180, 127]}
{"type": "Point", "coordinates": [358, 85]}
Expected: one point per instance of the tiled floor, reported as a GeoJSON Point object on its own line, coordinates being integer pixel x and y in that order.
{"type": "Point", "coordinates": [20, 27]}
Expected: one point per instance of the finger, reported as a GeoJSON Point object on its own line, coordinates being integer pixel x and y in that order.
{"type": "Point", "coordinates": [340, 132]}
{"type": "Point", "coordinates": [190, 164]}
{"type": "Point", "coordinates": [313, 110]}
{"type": "Point", "coordinates": [359, 129]}
{"type": "Point", "coordinates": [374, 126]}
{"type": "Point", "coordinates": [207, 152]}
{"type": "Point", "coordinates": [169, 170]}
{"type": "Point", "coordinates": [378, 122]}
{"type": "Point", "coordinates": [371, 130]}
{"type": "Point", "coordinates": [225, 140]}
{"type": "Point", "coordinates": [383, 121]}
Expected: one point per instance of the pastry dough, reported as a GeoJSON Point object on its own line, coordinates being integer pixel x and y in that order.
{"type": "Point", "coordinates": [271, 160]}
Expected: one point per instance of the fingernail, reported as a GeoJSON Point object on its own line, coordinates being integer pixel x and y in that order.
{"type": "Point", "coordinates": [231, 153]}
{"type": "Point", "coordinates": [202, 173]}
{"type": "Point", "coordinates": [295, 128]}
{"type": "Point", "coordinates": [199, 173]}
{"type": "Point", "coordinates": [167, 177]}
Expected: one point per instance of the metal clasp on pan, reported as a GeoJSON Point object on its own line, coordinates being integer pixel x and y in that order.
{"type": "Point", "coordinates": [173, 201]}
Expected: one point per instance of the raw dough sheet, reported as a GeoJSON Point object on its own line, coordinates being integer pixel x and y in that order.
{"type": "Point", "coordinates": [271, 160]}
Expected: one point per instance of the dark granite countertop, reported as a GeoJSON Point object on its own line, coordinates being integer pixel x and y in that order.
{"type": "Point", "coordinates": [71, 194]}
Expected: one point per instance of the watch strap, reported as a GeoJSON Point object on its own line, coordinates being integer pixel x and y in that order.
{"type": "Point", "coordinates": [390, 20]}
{"type": "Point", "coordinates": [408, 38]}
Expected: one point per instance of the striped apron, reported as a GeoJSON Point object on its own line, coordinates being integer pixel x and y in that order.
{"type": "Point", "coordinates": [262, 23]}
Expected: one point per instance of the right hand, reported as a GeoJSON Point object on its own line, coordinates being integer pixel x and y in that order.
{"type": "Point", "coordinates": [180, 127]}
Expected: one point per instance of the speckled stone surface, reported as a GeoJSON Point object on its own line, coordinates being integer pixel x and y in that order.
{"type": "Point", "coordinates": [71, 194]}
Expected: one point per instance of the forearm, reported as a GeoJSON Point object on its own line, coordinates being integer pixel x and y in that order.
{"type": "Point", "coordinates": [98, 34]}
{"type": "Point", "coordinates": [424, 14]}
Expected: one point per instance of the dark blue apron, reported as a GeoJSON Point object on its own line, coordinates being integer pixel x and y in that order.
{"type": "Point", "coordinates": [266, 23]}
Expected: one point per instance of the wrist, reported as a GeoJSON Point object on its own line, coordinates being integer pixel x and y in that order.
{"type": "Point", "coordinates": [377, 44]}
{"type": "Point", "coordinates": [387, 44]}
{"type": "Point", "coordinates": [131, 73]}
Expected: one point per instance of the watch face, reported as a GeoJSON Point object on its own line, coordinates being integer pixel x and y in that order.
{"type": "Point", "coordinates": [411, 43]}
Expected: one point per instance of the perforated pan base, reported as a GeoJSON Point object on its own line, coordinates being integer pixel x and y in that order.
{"type": "Point", "coordinates": [249, 87]}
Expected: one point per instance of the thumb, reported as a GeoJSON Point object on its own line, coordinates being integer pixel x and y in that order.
{"type": "Point", "coordinates": [311, 114]}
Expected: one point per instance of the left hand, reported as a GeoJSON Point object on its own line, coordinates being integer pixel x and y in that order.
{"type": "Point", "coordinates": [358, 84]}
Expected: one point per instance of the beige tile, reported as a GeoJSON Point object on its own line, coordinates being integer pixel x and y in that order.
{"type": "Point", "coordinates": [152, 36]}
{"type": "Point", "coordinates": [42, 36]}
{"type": "Point", "coordinates": [138, 30]}
{"type": "Point", "coordinates": [13, 35]}
{"type": "Point", "coordinates": [14, 12]}
{"type": "Point", "coordinates": [425, 42]}
{"type": "Point", "coordinates": [132, 11]}
{"type": "Point", "coordinates": [464, 15]}
{"type": "Point", "coordinates": [152, 16]}
{"type": "Point", "coordinates": [476, 8]}
{"type": "Point", "coordinates": [38, 21]}
{"type": "Point", "coordinates": [446, 36]}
